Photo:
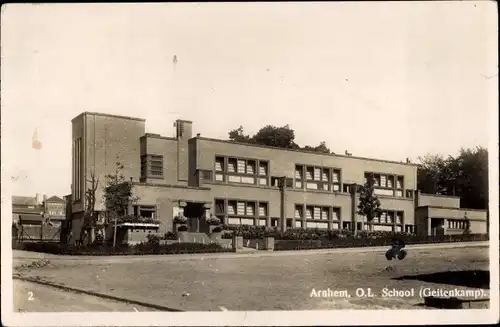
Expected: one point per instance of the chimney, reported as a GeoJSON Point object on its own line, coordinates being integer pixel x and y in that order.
{"type": "Point", "coordinates": [198, 135]}
{"type": "Point", "coordinates": [183, 129]}
{"type": "Point", "coordinates": [39, 198]}
{"type": "Point", "coordinates": [45, 197]}
{"type": "Point", "coordinates": [407, 160]}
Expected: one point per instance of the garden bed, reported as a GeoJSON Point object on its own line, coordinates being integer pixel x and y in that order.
{"type": "Point", "coordinates": [139, 249]}
{"type": "Point", "coordinates": [369, 241]}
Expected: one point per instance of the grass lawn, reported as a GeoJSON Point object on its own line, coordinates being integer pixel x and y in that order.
{"type": "Point", "coordinates": [264, 283]}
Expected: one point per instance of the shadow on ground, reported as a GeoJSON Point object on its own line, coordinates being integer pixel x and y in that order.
{"type": "Point", "coordinates": [467, 278]}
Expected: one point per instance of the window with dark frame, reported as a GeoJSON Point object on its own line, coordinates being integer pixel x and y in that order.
{"type": "Point", "coordinates": [240, 170]}
{"type": "Point", "coordinates": [145, 211]}
{"type": "Point", "coordinates": [387, 184]}
{"type": "Point", "coordinates": [152, 166]}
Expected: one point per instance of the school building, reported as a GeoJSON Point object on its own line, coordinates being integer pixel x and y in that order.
{"type": "Point", "coordinates": [250, 184]}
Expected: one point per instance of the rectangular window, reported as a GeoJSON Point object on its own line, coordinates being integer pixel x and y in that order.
{"type": "Point", "coordinates": [325, 213]}
{"type": "Point", "coordinates": [289, 223]}
{"type": "Point", "coordinates": [231, 208]}
{"type": "Point", "coordinates": [262, 209]}
{"type": "Point", "coordinates": [309, 173]}
{"type": "Point", "coordinates": [336, 176]}
{"type": "Point", "coordinates": [240, 209]}
{"type": "Point", "coordinates": [399, 217]}
{"type": "Point", "coordinates": [336, 213]}
{"type": "Point", "coordinates": [145, 211]}
{"type": "Point", "coordinates": [298, 211]}
{"type": "Point", "coordinates": [219, 207]}
{"type": "Point", "coordinates": [219, 164]}
{"type": "Point", "coordinates": [390, 181]}
{"type": "Point", "coordinates": [241, 166]}
{"type": "Point", "coordinates": [250, 167]}
{"type": "Point", "coordinates": [298, 224]}
{"type": "Point", "coordinates": [383, 180]}
{"type": "Point", "coordinates": [250, 209]}
{"type": "Point", "coordinates": [317, 213]}
{"type": "Point", "coordinates": [263, 168]}
{"type": "Point", "coordinates": [325, 175]}
{"type": "Point", "coordinates": [317, 174]}
{"type": "Point", "coordinates": [383, 217]}
{"type": "Point", "coordinates": [400, 182]}
{"type": "Point", "coordinates": [390, 217]}
{"type": "Point", "coordinates": [299, 172]}
{"type": "Point", "coordinates": [309, 212]}
{"type": "Point", "coordinates": [231, 165]}
{"type": "Point", "coordinates": [152, 166]}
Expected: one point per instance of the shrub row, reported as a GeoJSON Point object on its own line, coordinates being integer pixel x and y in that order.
{"type": "Point", "coordinates": [347, 242]}
{"type": "Point", "coordinates": [259, 232]}
{"type": "Point", "coordinates": [139, 249]}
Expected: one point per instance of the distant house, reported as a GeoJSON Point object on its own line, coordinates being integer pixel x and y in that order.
{"type": "Point", "coordinates": [37, 217]}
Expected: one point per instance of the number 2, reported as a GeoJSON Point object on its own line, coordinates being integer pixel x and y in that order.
{"type": "Point", "coordinates": [30, 296]}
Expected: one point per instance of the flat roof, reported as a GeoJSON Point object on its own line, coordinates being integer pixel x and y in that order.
{"type": "Point", "coordinates": [305, 151]}
{"type": "Point", "coordinates": [108, 115]}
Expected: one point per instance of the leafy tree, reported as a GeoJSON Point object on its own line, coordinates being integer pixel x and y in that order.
{"type": "Point", "coordinates": [237, 135]}
{"type": "Point", "coordinates": [465, 176]}
{"type": "Point", "coordinates": [118, 194]}
{"type": "Point", "coordinates": [281, 137]}
{"type": "Point", "coordinates": [320, 148]}
{"type": "Point", "coordinates": [369, 204]}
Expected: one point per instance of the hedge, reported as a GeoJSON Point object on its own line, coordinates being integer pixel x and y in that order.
{"type": "Point", "coordinates": [139, 249]}
{"type": "Point", "coordinates": [367, 241]}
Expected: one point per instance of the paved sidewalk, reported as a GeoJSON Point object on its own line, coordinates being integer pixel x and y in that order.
{"type": "Point", "coordinates": [23, 255]}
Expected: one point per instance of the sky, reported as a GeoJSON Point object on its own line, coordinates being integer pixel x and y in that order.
{"type": "Point", "coordinates": [389, 80]}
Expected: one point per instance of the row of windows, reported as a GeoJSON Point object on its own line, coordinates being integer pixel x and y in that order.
{"type": "Point", "coordinates": [241, 208]}
{"type": "Point", "coordinates": [389, 217]}
{"type": "Point", "coordinates": [386, 181]}
{"type": "Point", "coordinates": [316, 212]}
{"type": "Point", "coordinates": [457, 224]}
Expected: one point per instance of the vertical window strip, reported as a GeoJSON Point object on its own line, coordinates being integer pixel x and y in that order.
{"type": "Point", "coordinates": [263, 168]}
{"type": "Point", "coordinates": [317, 213]}
{"type": "Point", "coordinates": [263, 209]}
{"type": "Point", "coordinates": [317, 174]}
{"type": "Point", "coordinates": [240, 208]}
{"type": "Point", "coordinates": [309, 212]}
{"type": "Point", "coordinates": [241, 166]}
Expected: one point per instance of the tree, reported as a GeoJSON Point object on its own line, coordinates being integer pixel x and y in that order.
{"type": "Point", "coordinates": [237, 135]}
{"type": "Point", "coordinates": [322, 148]}
{"type": "Point", "coordinates": [369, 204]}
{"type": "Point", "coordinates": [269, 135]}
{"type": "Point", "coordinates": [118, 194]}
{"type": "Point", "coordinates": [90, 215]}
{"type": "Point", "coordinates": [465, 176]}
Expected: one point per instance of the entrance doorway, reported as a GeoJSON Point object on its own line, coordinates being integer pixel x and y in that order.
{"type": "Point", "coordinates": [193, 212]}
{"type": "Point", "coordinates": [437, 226]}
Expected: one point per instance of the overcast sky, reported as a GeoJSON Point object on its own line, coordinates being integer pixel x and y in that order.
{"type": "Point", "coordinates": [384, 80]}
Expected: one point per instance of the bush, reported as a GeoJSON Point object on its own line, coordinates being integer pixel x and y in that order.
{"type": "Point", "coordinates": [170, 236]}
{"type": "Point", "coordinates": [217, 229]}
{"type": "Point", "coordinates": [139, 249]}
{"type": "Point", "coordinates": [367, 239]}
{"type": "Point", "coordinates": [180, 220]}
{"type": "Point", "coordinates": [182, 228]}
{"type": "Point", "coordinates": [153, 239]}
{"type": "Point", "coordinates": [212, 220]}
